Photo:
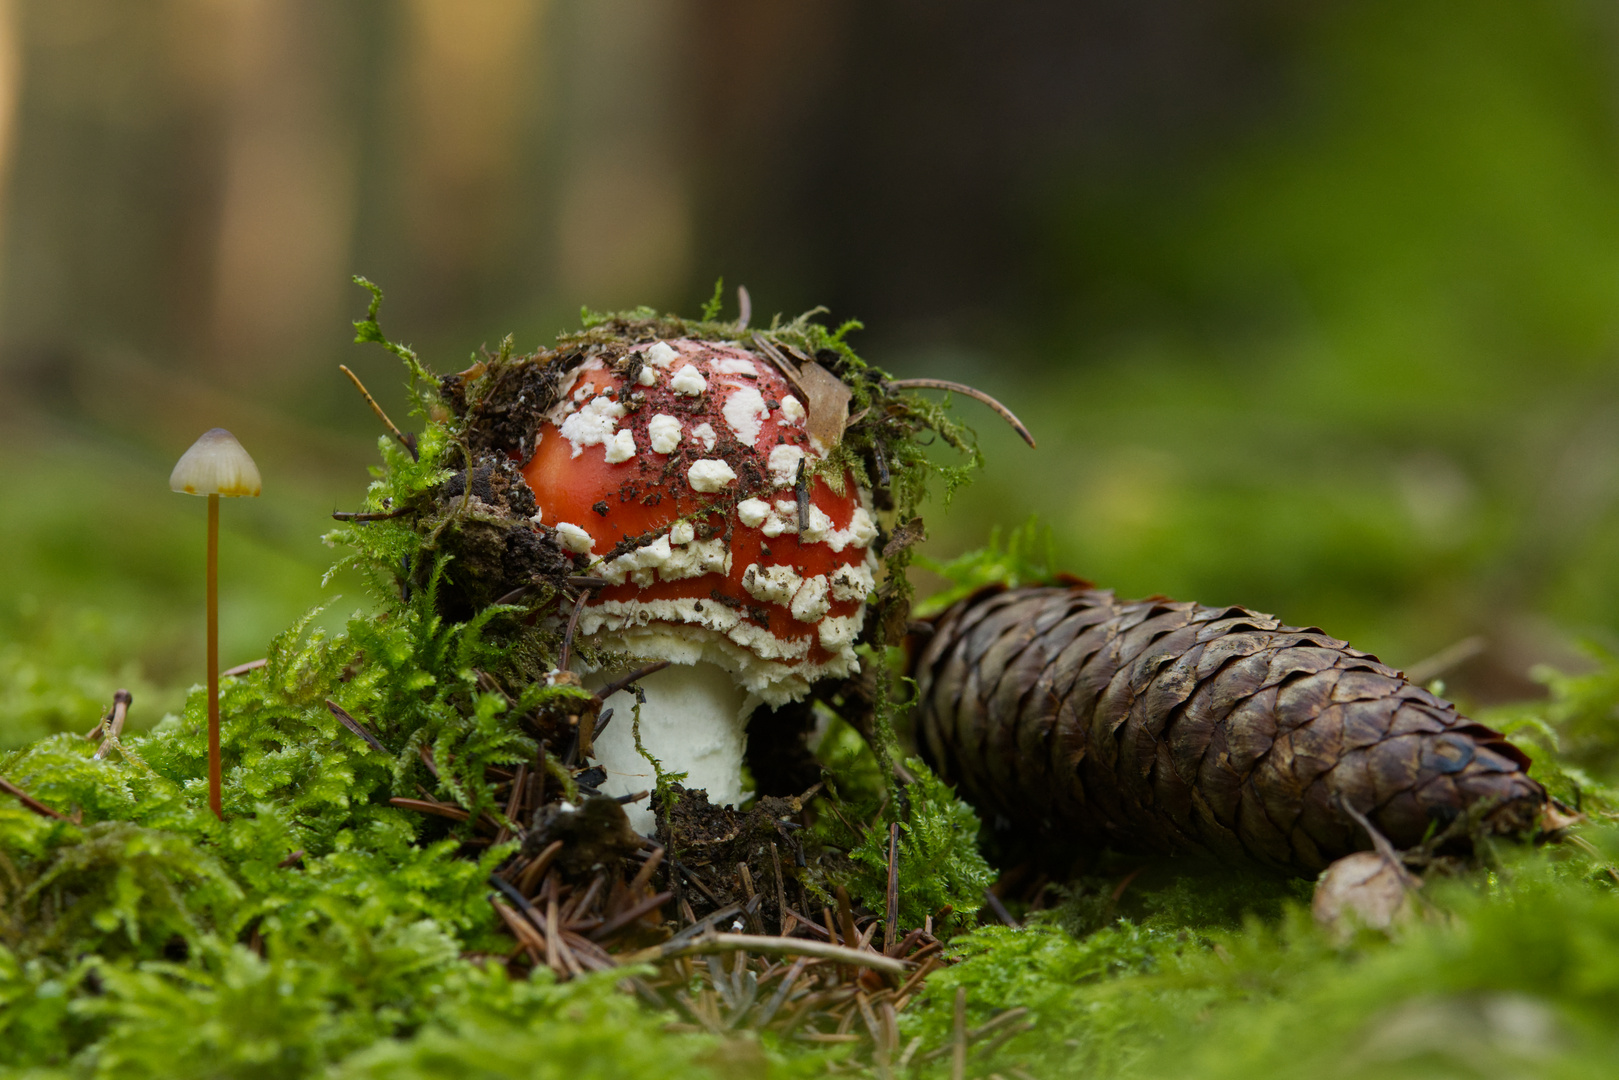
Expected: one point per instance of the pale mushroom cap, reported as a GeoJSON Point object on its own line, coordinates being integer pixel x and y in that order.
{"type": "Point", "coordinates": [216, 464]}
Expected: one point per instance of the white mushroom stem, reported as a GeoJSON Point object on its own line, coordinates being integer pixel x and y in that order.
{"type": "Point", "coordinates": [693, 722]}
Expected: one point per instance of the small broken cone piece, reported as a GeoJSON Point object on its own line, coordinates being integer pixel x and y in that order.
{"type": "Point", "coordinates": [678, 470]}
{"type": "Point", "coordinates": [1367, 889]}
{"type": "Point", "coordinates": [216, 464]}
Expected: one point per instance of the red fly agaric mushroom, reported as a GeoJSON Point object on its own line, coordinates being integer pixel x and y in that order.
{"type": "Point", "coordinates": [215, 465]}
{"type": "Point", "coordinates": [684, 471]}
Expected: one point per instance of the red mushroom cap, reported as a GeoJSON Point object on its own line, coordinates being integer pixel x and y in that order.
{"type": "Point", "coordinates": [676, 468]}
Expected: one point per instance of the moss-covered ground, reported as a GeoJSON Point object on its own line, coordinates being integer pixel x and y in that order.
{"type": "Point", "coordinates": [320, 931]}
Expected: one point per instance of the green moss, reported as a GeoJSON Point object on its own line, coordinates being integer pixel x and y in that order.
{"type": "Point", "coordinates": [941, 872]}
{"type": "Point", "coordinates": [1020, 556]}
{"type": "Point", "coordinates": [321, 931]}
{"type": "Point", "coordinates": [1513, 974]}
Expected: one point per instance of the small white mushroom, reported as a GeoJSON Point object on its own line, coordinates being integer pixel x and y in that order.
{"type": "Point", "coordinates": [216, 464]}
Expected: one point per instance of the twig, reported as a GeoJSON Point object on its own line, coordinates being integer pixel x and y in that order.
{"type": "Point", "coordinates": [552, 953]}
{"type": "Point", "coordinates": [977, 395]}
{"type": "Point", "coordinates": [369, 515]}
{"type": "Point", "coordinates": [514, 596]}
{"type": "Point", "coordinates": [996, 1022]}
{"type": "Point", "coordinates": [629, 915]}
{"type": "Point", "coordinates": [704, 925]}
{"type": "Point", "coordinates": [994, 904]}
{"type": "Point", "coordinates": [1118, 890]}
{"type": "Point", "coordinates": [121, 701]}
{"type": "Point", "coordinates": [846, 926]}
{"type": "Point", "coordinates": [528, 881]}
{"type": "Point", "coordinates": [95, 733]}
{"type": "Point", "coordinates": [371, 401]}
{"type": "Point", "coordinates": [488, 684]}
{"type": "Point", "coordinates": [891, 926]}
{"type": "Point", "coordinates": [993, 1024]}
{"type": "Point", "coordinates": [880, 1048]}
{"type": "Point", "coordinates": [919, 974]}
{"type": "Point", "coordinates": [573, 624]}
{"type": "Point", "coordinates": [635, 676]}
{"type": "Point", "coordinates": [772, 946]}
{"type": "Point", "coordinates": [355, 726]}
{"type": "Point", "coordinates": [643, 876]}
{"type": "Point", "coordinates": [694, 879]}
{"type": "Point", "coordinates": [810, 924]}
{"type": "Point", "coordinates": [782, 992]}
{"type": "Point", "coordinates": [243, 669]}
{"type": "Point", "coordinates": [1379, 842]}
{"type": "Point", "coordinates": [587, 953]}
{"type": "Point", "coordinates": [424, 806]}
{"type": "Point", "coordinates": [1003, 1038]}
{"type": "Point", "coordinates": [554, 931]}
{"type": "Point", "coordinates": [744, 304]}
{"type": "Point", "coordinates": [577, 903]}
{"type": "Point", "coordinates": [514, 803]}
{"type": "Point", "coordinates": [291, 860]}
{"type": "Point", "coordinates": [781, 889]}
{"type": "Point", "coordinates": [29, 801]}
{"type": "Point", "coordinates": [1451, 656]}
{"type": "Point", "coordinates": [532, 940]}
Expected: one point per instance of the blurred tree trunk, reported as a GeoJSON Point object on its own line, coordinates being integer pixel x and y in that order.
{"type": "Point", "coordinates": [112, 199]}
{"type": "Point", "coordinates": [623, 213]}
{"type": "Point", "coordinates": [288, 190]}
{"type": "Point", "coordinates": [454, 200]}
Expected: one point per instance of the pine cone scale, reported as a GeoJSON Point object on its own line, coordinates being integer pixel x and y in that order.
{"type": "Point", "coordinates": [1367, 723]}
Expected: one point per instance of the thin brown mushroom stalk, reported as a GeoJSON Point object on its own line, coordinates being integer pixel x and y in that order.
{"type": "Point", "coordinates": [216, 465]}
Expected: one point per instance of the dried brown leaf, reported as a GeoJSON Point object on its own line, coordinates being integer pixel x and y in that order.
{"type": "Point", "coordinates": [828, 404]}
{"type": "Point", "coordinates": [1366, 889]}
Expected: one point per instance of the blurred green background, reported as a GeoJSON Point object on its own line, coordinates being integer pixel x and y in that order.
{"type": "Point", "coordinates": [1313, 308]}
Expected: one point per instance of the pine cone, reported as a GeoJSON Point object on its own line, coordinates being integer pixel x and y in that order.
{"type": "Point", "coordinates": [1171, 727]}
